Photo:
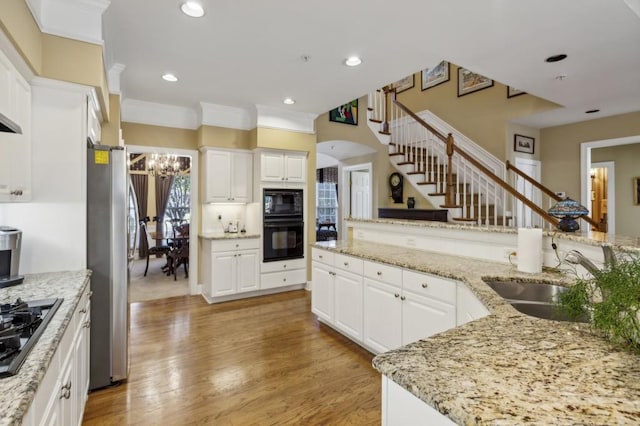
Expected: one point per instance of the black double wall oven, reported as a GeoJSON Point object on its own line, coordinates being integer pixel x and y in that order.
{"type": "Point", "coordinates": [283, 222]}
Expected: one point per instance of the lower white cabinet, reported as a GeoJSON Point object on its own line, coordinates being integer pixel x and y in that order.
{"type": "Point", "coordinates": [469, 308]}
{"type": "Point", "coordinates": [283, 273]}
{"type": "Point", "coordinates": [230, 266]}
{"type": "Point", "coordinates": [401, 408]}
{"type": "Point", "coordinates": [382, 306]}
{"type": "Point", "coordinates": [62, 395]}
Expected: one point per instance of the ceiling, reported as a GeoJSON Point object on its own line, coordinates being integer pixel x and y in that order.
{"type": "Point", "coordinates": [247, 53]}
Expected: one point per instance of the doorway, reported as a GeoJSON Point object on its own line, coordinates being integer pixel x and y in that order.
{"type": "Point", "coordinates": [603, 193]}
{"type": "Point", "coordinates": [157, 263]}
{"type": "Point", "coordinates": [524, 216]}
{"type": "Point", "coordinates": [357, 194]}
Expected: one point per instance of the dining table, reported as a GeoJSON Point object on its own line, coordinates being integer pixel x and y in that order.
{"type": "Point", "coordinates": [178, 253]}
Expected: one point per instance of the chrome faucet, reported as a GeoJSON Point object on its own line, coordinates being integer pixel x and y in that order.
{"type": "Point", "coordinates": [577, 258]}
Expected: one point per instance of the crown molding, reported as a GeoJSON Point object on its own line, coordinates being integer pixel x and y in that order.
{"type": "Point", "coordinates": [226, 116]}
{"type": "Point", "coordinates": [280, 118]}
{"type": "Point", "coordinates": [135, 111]}
{"type": "Point", "coordinates": [75, 19]}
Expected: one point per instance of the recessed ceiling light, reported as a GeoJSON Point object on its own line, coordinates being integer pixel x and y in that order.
{"type": "Point", "coordinates": [170, 77]}
{"type": "Point", "coordinates": [192, 8]}
{"type": "Point", "coordinates": [556, 58]}
{"type": "Point", "coordinates": [289, 101]}
{"type": "Point", "coordinates": [592, 111]}
{"type": "Point", "coordinates": [353, 61]}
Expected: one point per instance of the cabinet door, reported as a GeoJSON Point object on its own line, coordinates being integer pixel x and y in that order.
{"type": "Point", "coordinates": [241, 177]}
{"type": "Point", "coordinates": [247, 270]}
{"type": "Point", "coordinates": [322, 292]}
{"type": "Point", "coordinates": [6, 87]}
{"type": "Point", "coordinates": [400, 407]}
{"type": "Point", "coordinates": [295, 170]}
{"type": "Point", "coordinates": [348, 290]}
{"type": "Point", "coordinates": [66, 389]}
{"type": "Point", "coordinates": [218, 175]}
{"type": "Point", "coordinates": [271, 166]}
{"type": "Point", "coordinates": [423, 316]}
{"type": "Point", "coordinates": [382, 316]}
{"type": "Point", "coordinates": [223, 274]}
{"type": "Point", "coordinates": [15, 149]}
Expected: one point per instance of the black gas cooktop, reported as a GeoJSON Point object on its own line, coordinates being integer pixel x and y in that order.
{"type": "Point", "coordinates": [21, 324]}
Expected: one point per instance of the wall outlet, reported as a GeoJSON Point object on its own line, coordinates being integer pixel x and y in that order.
{"type": "Point", "coordinates": [510, 252]}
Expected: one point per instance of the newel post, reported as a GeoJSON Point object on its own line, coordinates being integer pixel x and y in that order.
{"type": "Point", "coordinates": [387, 105]}
{"type": "Point", "coordinates": [450, 192]}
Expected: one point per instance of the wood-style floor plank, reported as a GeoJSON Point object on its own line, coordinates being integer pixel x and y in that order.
{"type": "Point", "coordinates": [260, 361]}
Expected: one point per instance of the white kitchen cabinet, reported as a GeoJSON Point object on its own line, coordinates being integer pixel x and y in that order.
{"type": "Point", "coordinates": [230, 267]}
{"type": "Point", "coordinates": [322, 291]}
{"type": "Point", "coordinates": [348, 302]}
{"type": "Point", "coordinates": [468, 306]}
{"type": "Point", "coordinates": [287, 167]}
{"type": "Point", "coordinates": [61, 397]}
{"type": "Point", "coordinates": [382, 316]}
{"type": "Point", "coordinates": [401, 408]}
{"type": "Point", "coordinates": [15, 149]}
{"type": "Point", "coordinates": [228, 176]}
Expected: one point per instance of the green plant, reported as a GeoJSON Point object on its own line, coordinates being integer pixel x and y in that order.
{"type": "Point", "coordinates": [611, 298]}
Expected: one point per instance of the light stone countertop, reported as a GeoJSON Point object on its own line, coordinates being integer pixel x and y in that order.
{"type": "Point", "coordinates": [18, 390]}
{"type": "Point", "coordinates": [227, 236]}
{"type": "Point", "coordinates": [507, 368]}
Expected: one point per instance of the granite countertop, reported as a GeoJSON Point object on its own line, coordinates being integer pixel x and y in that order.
{"type": "Point", "coordinates": [507, 368]}
{"type": "Point", "coordinates": [19, 390]}
{"type": "Point", "coordinates": [227, 236]}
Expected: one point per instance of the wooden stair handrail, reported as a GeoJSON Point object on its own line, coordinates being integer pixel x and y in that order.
{"type": "Point", "coordinates": [478, 165]}
{"type": "Point", "coordinates": [544, 189]}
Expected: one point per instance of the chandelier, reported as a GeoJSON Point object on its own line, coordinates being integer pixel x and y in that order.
{"type": "Point", "coordinates": [163, 165]}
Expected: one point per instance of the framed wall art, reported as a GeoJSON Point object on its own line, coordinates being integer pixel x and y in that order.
{"type": "Point", "coordinates": [636, 191]}
{"type": "Point", "coordinates": [512, 91]}
{"type": "Point", "coordinates": [435, 75]}
{"type": "Point", "coordinates": [347, 113]}
{"type": "Point", "coordinates": [524, 144]}
{"type": "Point", "coordinates": [469, 82]}
{"type": "Point", "coordinates": [404, 84]}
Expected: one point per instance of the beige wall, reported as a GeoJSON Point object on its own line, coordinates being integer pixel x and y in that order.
{"type": "Point", "coordinates": [163, 137]}
{"type": "Point", "coordinates": [222, 137]}
{"type": "Point", "coordinates": [627, 167]}
{"type": "Point", "coordinates": [52, 56]}
{"type": "Point", "coordinates": [560, 153]}
{"type": "Point", "coordinates": [483, 116]}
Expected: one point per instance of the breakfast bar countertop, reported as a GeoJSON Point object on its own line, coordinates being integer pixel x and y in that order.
{"type": "Point", "coordinates": [19, 390]}
{"type": "Point", "coordinates": [506, 368]}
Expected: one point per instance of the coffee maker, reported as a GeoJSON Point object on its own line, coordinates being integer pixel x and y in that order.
{"type": "Point", "coordinates": [10, 241]}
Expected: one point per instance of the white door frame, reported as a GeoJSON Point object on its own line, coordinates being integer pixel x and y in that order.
{"type": "Point", "coordinates": [536, 220]}
{"type": "Point", "coordinates": [585, 166]}
{"type": "Point", "coordinates": [346, 191]}
{"type": "Point", "coordinates": [194, 288]}
{"type": "Point", "coordinates": [611, 193]}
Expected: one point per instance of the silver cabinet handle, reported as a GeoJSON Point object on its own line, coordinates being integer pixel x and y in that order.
{"type": "Point", "coordinates": [396, 295]}
{"type": "Point", "coordinates": [284, 280]}
{"type": "Point", "coordinates": [87, 324]}
{"type": "Point", "coordinates": [425, 285]}
{"type": "Point", "coordinates": [403, 298]}
{"type": "Point", "coordinates": [83, 310]}
{"type": "Point", "coordinates": [237, 245]}
{"type": "Point", "coordinates": [16, 192]}
{"type": "Point", "coordinates": [284, 266]}
{"type": "Point", "coordinates": [320, 256]}
{"type": "Point", "coordinates": [379, 273]}
{"type": "Point", "coordinates": [346, 263]}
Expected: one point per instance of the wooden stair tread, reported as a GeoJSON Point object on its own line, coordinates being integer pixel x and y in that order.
{"type": "Point", "coordinates": [374, 120]}
{"type": "Point", "coordinates": [384, 133]}
{"type": "Point", "coordinates": [395, 153]}
{"type": "Point", "coordinates": [415, 173]}
{"type": "Point", "coordinates": [464, 219]}
{"type": "Point", "coordinates": [404, 163]}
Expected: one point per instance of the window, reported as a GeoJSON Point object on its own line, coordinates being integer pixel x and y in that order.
{"type": "Point", "coordinates": [179, 204]}
{"type": "Point", "coordinates": [326, 202]}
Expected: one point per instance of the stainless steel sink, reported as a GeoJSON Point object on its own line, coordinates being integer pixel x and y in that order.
{"type": "Point", "coordinates": [535, 299]}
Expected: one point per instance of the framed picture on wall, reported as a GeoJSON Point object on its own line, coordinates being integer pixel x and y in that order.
{"type": "Point", "coordinates": [469, 82]}
{"type": "Point", "coordinates": [636, 191]}
{"type": "Point", "coordinates": [524, 144]}
{"type": "Point", "coordinates": [512, 91]}
{"type": "Point", "coordinates": [404, 84]}
{"type": "Point", "coordinates": [347, 113]}
{"type": "Point", "coordinates": [435, 75]}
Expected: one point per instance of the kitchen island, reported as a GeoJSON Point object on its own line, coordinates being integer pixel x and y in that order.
{"type": "Point", "coordinates": [506, 368]}
{"type": "Point", "coordinates": [18, 391]}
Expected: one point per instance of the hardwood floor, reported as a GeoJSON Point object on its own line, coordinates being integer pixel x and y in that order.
{"type": "Point", "coordinates": [260, 361]}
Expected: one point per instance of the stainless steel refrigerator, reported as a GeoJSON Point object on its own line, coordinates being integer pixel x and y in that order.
{"type": "Point", "coordinates": [111, 227]}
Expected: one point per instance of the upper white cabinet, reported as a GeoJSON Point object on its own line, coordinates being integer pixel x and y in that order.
{"type": "Point", "coordinates": [15, 149]}
{"type": "Point", "coordinates": [228, 176]}
{"type": "Point", "coordinates": [287, 167]}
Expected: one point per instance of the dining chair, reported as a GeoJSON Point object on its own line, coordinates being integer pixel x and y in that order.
{"type": "Point", "coordinates": [153, 249]}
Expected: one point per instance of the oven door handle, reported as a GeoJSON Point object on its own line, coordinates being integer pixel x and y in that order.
{"type": "Point", "coordinates": [282, 224]}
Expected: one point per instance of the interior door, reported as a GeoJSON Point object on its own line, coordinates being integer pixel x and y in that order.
{"type": "Point", "coordinates": [524, 215]}
{"type": "Point", "coordinates": [360, 202]}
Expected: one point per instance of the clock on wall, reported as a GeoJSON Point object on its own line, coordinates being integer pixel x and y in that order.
{"type": "Point", "coordinates": [395, 182]}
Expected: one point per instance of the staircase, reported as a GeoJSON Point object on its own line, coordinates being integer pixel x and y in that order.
{"type": "Point", "coordinates": [451, 171]}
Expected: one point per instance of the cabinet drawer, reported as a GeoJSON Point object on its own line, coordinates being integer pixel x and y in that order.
{"type": "Point", "coordinates": [235, 244]}
{"type": "Point", "coordinates": [322, 256]}
{"type": "Point", "coordinates": [283, 279]}
{"type": "Point", "coordinates": [348, 263]}
{"type": "Point", "coordinates": [283, 265]}
{"type": "Point", "coordinates": [384, 273]}
{"type": "Point", "coordinates": [430, 285]}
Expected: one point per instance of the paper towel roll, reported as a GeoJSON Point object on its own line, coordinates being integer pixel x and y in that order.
{"type": "Point", "coordinates": [530, 250]}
